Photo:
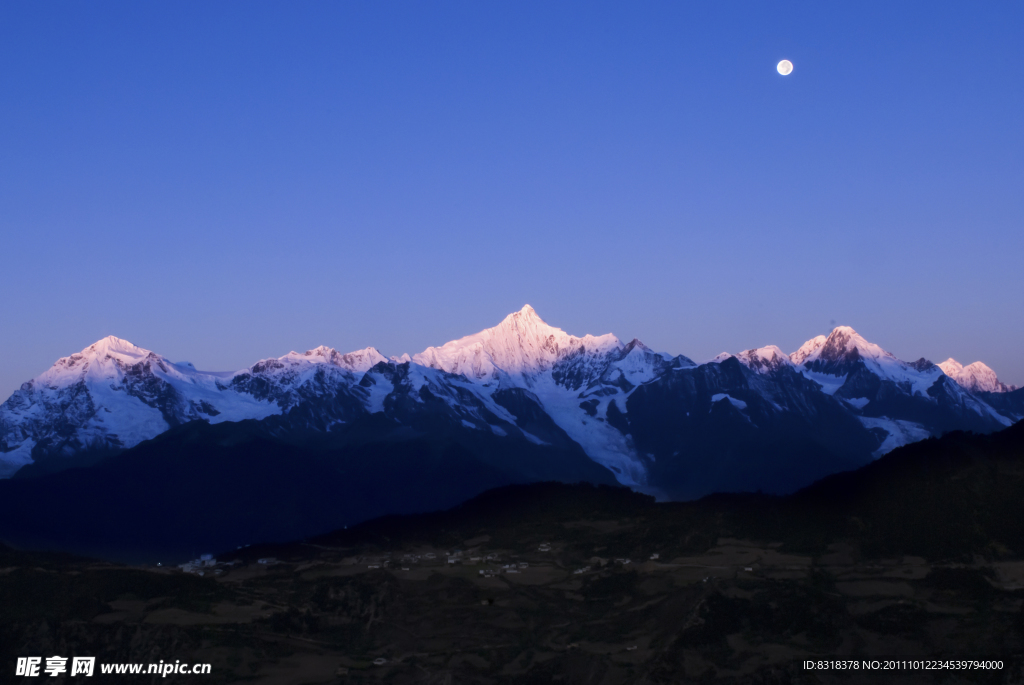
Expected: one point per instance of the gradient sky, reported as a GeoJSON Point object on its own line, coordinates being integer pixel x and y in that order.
{"type": "Point", "coordinates": [224, 182]}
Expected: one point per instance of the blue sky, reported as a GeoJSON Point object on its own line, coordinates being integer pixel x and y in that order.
{"type": "Point", "coordinates": [223, 182]}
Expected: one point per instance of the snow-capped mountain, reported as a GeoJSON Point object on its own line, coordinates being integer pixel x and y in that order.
{"type": "Point", "coordinates": [764, 359]}
{"type": "Point", "coordinates": [761, 419]}
{"type": "Point", "coordinates": [519, 350]}
{"type": "Point", "coordinates": [976, 377]}
{"type": "Point", "coordinates": [847, 364]}
{"type": "Point", "coordinates": [113, 395]}
{"type": "Point", "coordinates": [109, 396]}
{"type": "Point", "coordinates": [574, 380]}
{"type": "Point", "coordinates": [844, 351]}
{"type": "Point", "coordinates": [807, 349]}
{"type": "Point", "coordinates": [899, 401]}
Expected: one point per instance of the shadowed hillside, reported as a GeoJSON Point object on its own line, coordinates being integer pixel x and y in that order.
{"type": "Point", "coordinates": [919, 555]}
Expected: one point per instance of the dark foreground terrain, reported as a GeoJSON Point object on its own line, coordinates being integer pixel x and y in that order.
{"type": "Point", "coordinates": [919, 555]}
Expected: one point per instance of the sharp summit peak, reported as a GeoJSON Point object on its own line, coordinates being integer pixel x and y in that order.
{"type": "Point", "coordinates": [527, 312]}
{"type": "Point", "coordinates": [844, 330]}
{"type": "Point", "coordinates": [111, 340]}
{"type": "Point", "coordinates": [112, 343]}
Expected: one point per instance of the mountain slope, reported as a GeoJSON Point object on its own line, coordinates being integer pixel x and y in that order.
{"type": "Point", "coordinates": [201, 487]}
{"type": "Point", "coordinates": [945, 498]}
{"type": "Point", "coordinates": [723, 427]}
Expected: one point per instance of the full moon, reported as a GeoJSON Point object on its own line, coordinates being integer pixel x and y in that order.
{"type": "Point", "coordinates": [785, 67]}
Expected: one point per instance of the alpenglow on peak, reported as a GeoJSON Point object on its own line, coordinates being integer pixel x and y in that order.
{"type": "Point", "coordinates": [976, 377]}
{"type": "Point", "coordinates": [521, 344]}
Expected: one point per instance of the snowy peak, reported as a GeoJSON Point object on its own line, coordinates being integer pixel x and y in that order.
{"type": "Point", "coordinates": [844, 343]}
{"type": "Point", "coordinates": [807, 349]}
{"type": "Point", "coordinates": [845, 355]}
{"type": "Point", "coordinates": [527, 314]}
{"type": "Point", "coordinates": [633, 365]}
{"type": "Point", "coordinates": [521, 345]}
{"type": "Point", "coordinates": [112, 395]}
{"type": "Point", "coordinates": [362, 360]}
{"type": "Point", "coordinates": [844, 350]}
{"type": "Point", "coordinates": [951, 368]}
{"type": "Point", "coordinates": [634, 344]}
{"type": "Point", "coordinates": [359, 361]}
{"type": "Point", "coordinates": [976, 377]}
{"type": "Point", "coordinates": [101, 359]}
{"type": "Point", "coordinates": [112, 346]}
{"type": "Point", "coordinates": [764, 359]}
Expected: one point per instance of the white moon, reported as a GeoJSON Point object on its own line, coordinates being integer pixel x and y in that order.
{"type": "Point", "coordinates": [785, 67]}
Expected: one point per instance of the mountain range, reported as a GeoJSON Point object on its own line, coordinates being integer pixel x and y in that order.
{"type": "Point", "coordinates": [581, 406]}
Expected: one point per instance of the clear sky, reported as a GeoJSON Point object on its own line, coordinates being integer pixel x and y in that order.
{"type": "Point", "coordinates": [224, 182]}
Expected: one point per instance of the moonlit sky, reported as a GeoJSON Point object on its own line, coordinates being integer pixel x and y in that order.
{"type": "Point", "coordinates": [224, 182]}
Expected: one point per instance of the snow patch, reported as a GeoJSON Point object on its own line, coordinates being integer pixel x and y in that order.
{"type": "Point", "coordinates": [739, 404]}
{"type": "Point", "coordinates": [829, 384]}
{"type": "Point", "coordinates": [899, 432]}
{"type": "Point", "coordinates": [602, 443]}
{"type": "Point", "coordinates": [11, 461]}
{"type": "Point", "coordinates": [379, 390]}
